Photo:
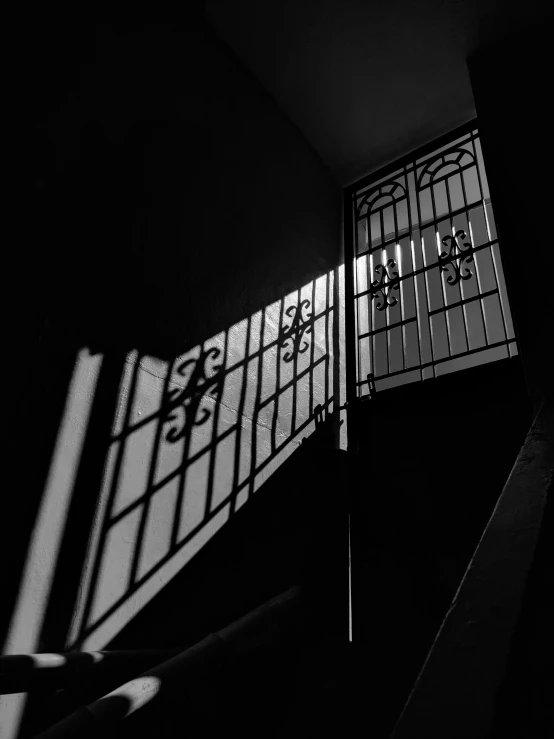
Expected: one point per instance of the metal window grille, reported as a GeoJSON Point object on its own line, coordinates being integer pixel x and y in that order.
{"type": "Point", "coordinates": [428, 291]}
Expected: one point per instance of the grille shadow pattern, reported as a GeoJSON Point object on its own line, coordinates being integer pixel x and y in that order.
{"type": "Point", "coordinates": [193, 439]}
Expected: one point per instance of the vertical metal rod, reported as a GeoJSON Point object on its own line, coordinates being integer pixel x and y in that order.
{"type": "Point", "coordinates": [412, 257]}
{"type": "Point", "coordinates": [349, 315]}
{"type": "Point", "coordinates": [418, 192]}
{"type": "Point", "coordinates": [482, 194]}
{"type": "Point", "coordinates": [443, 290]}
{"type": "Point", "coordinates": [466, 206]}
{"type": "Point", "coordinates": [447, 185]}
{"type": "Point", "coordinates": [368, 297]}
{"type": "Point", "coordinates": [370, 301]}
{"type": "Point", "coordinates": [387, 333]}
{"type": "Point", "coordinates": [398, 255]}
{"type": "Point", "coordinates": [472, 242]}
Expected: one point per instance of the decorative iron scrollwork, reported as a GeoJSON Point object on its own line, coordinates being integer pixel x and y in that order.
{"type": "Point", "coordinates": [186, 406]}
{"type": "Point", "coordinates": [381, 289]}
{"type": "Point", "coordinates": [452, 158]}
{"type": "Point", "coordinates": [458, 256]}
{"type": "Point", "coordinates": [292, 335]}
{"type": "Point", "coordinates": [389, 192]}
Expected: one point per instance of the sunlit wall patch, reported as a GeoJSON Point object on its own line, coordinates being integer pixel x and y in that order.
{"type": "Point", "coordinates": [195, 437]}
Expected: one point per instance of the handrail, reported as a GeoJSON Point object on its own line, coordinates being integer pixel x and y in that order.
{"type": "Point", "coordinates": [248, 632]}
{"type": "Point", "coordinates": [21, 673]}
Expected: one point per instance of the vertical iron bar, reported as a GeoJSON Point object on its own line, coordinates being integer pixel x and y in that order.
{"type": "Point", "coordinates": [349, 316]}
{"type": "Point", "coordinates": [467, 206]}
{"type": "Point", "coordinates": [368, 299]}
{"type": "Point", "coordinates": [387, 333]}
{"type": "Point", "coordinates": [397, 255]}
{"type": "Point", "coordinates": [418, 192]}
{"type": "Point", "coordinates": [443, 291]}
{"type": "Point", "coordinates": [471, 238]}
{"type": "Point", "coordinates": [447, 185]}
{"type": "Point", "coordinates": [412, 257]}
{"type": "Point", "coordinates": [482, 194]}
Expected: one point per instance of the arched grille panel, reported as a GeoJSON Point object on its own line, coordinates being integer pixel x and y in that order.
{"type": "Point", "coordinates": [429, 290]}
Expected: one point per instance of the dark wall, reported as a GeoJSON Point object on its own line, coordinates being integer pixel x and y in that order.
{"type": "Point", "coordinates": [510, 81]}
{"type": "Point", "coordinates": [173, 198]}
{"type": "Point", "coordinates": [180, 196]}
{"type": "Point", "coordinates": [434, 457]}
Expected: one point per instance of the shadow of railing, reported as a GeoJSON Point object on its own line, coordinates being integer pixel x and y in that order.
{"type": "Point", "coordinates": [154, 456]}
{"type": "Point", "coordinates": [193, 439]}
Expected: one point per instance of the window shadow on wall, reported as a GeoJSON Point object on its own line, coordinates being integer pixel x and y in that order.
{"type": "Point", "coordinates": [195, 437]}
{"type": "Point", "coordinates": [171, 450]}
{"type": "Point", "coordinates": [181, 204]}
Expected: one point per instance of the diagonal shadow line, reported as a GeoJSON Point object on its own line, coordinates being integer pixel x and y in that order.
{"type": "Point", "coordinates": [294, 382]}
{"type": "Point", "coordinates": [232, 368]}
{"type": "Point", "coordinates": [238, 426]}
{"type": "Point", "coordinates": [254, 434]}
{"type": "Point", "coordinates": [215, 422]}
{"type": "Point", "coordinates": [336, 369]}
{"type": "Point", "coordinates": [72, 552]}
{"type": "Point", "coordinates": [193, 532]}
{"type": "Point", "coordinates": [152, 471]}
{"type": "Point", "coordinates": [210, 449]}
{"type": "Point", "coordinates": [24, 509]}
{"type": "Point", "coordinates": [201, 385]}
{"type": "Point", "coordinates": [277, 384]}
{"type": "Point", "coordinates": [112, 493]}
{"type": "Point", "coordinates": [182, 475]}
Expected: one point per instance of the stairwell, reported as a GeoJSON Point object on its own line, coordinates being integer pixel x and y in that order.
{"type": "Point", "coordinates": [431, 462]}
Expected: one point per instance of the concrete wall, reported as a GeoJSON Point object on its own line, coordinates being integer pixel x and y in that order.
{"type": "Point", "coordinates": [189, 315]}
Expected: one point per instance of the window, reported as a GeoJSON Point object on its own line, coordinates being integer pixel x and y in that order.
{"type": "Point", "coordinates": [428, 286]}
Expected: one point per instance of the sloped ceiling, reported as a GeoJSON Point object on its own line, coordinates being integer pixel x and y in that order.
{"type": "Point", "coordinates": [367, 81]}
